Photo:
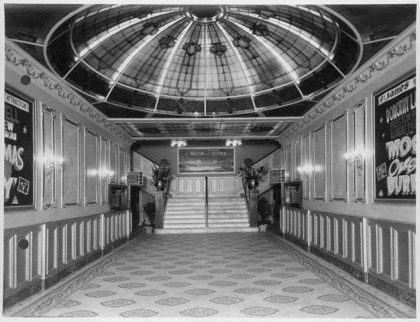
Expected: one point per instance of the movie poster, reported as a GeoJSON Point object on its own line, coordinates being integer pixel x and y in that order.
{"type": "Point", "coordinates": [18, 152]}
{"type": "Point", "coordinates": [395, 141]}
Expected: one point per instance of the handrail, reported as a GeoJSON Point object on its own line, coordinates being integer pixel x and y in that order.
{"type": "Point", "coordinates": [246, 192]}
{"type": "Point", "coordinates": [207, 201]}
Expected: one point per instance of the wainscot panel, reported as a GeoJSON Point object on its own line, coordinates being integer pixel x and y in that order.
{"type": "Point", "coordinates": [39, 256]}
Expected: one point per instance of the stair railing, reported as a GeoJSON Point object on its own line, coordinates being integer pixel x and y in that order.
{"type": "Point", "coordinates": [246, 192]}
{"type": "Point", "coordinates": [207, 201]}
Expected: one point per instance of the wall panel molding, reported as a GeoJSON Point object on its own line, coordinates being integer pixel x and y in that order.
{"type": "Point", "coordinates": [70, 151]}
{"type": "Point", "coordinates": [338, 167]}
{"type": "Point", "coordinates": [49, 191]}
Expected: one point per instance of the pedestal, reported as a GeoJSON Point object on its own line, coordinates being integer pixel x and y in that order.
{"type": "Point", "coordinates": [253, 209]}
{"type": "Point", "coordinates": [159, 206]}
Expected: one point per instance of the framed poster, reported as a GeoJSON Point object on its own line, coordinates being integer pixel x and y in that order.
{"type": "Point", "coordinates": [395, 141]}
{"type": "Point", "coordinates": [206, 160]}
{"type": "Point", "coordinates": [276, 176]}
{"type": "Point", "coordinates": [18, 152]}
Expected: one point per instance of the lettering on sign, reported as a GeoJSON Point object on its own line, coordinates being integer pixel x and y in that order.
{"type": "Point", "coordinates": [395, 141]}
{"type": "Point", "coordinates": [18, 152]}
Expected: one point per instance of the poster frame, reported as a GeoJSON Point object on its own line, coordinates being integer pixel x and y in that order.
{"type": "Point", "coordinates": [206, 172]}
{"type": "Point", "coordinates": [374, 106]}
{"type": "Point", "coordinates": [33, 102]}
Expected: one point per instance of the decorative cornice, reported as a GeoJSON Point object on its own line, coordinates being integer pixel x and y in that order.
{"type": "Point", "coordinates": [70, 97]}
{"type": "Point", "coordinates": [405, 45]}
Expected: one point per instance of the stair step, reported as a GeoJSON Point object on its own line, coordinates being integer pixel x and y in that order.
{"type": "Point", "coordinates": [228, 211]}
{"type": "Point", "coordinates": [183, 220]}
{"type": "Point", "coordinates": [184, 225]}
{"type": "Point", "coordinates": [225, 225]}
{"type": "Point", "coordinates": [207, 230]}
{"type": "Point", "coordinates": [228, 220]}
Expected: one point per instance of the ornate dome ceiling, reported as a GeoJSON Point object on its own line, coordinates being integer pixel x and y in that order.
{"type": "Point", "coordinates": [203, 60]}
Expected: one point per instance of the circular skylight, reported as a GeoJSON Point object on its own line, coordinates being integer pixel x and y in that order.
{"type": "Point", "coordinates": [205, 60]}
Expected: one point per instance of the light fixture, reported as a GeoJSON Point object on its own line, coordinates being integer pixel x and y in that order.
{"type": "Point", "coordinates": [178, 143]}
{"type": "Point", "coordinates": [356, 158]}
{"type": "Point", "coordinates": [233, 142]}
{"type": "Point", "coordinates": [106, 174]}
{"type": "Point", "coordinates": [191, 48]}
{"type": "Point", "coordinates": [218, 49]}
{"type": "Point", "coordinates": [51, 163]}
{"type": "Point", "coordinates": [306, 170]}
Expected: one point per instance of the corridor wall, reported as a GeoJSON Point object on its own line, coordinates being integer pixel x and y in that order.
{"type": "Point", "coordinates": [76, 155]}
{"type": "Point", "coordinates": [343, 219]}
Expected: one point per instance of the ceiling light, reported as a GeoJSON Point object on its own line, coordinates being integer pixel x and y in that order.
{"type": "Point", "coordinates": [233, 142]}
{"type": "Point", "coordinates": [178, 143]}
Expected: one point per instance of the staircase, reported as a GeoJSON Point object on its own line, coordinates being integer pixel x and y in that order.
{"type": "Point", "coordinates": [187, 214]}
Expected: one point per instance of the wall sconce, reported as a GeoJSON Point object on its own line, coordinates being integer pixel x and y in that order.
{"type": "Point", "coordinates": [51, 163]}
{"type": "Point", "coordinates": [178, 143]}
{"type": "Point", "coordinates": [306, 170]}
{"type": "Point", "coordinates": [106, 174]}
{"type": "Point", "coordinates": [357, 158]}
{"type": "Point", "coordinates": [233, 143]}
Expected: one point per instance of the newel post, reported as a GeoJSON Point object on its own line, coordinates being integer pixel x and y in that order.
{"type": "Point", "coordinates": [159, 207]}
{"type": "Point", "coordinates": [253, 209]}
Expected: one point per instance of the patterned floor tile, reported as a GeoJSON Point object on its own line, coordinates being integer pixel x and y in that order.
{"type": "Point", "coordinates": [298, 289]}
{"type": "Point", "coordinates": [258, 270]}
{"type": "Point", "coordinates": [223, 283]}
{"type": "Point", "coordinates": [313, 281]}
{"type": "Point", "coordinates": [99, 294]}
{"type": "Point", "coordinates": [127, 268]}
{"type": "Point", "coordinates": [90, 286]}
{"type": "Point", "coordinates": [139, 313]}
{"type": "Point", "coordinates": [81, 314]}
{"type": "Point", "coordinates": [164, 267]}
{"type": "Point", "coordinates": [177, 284]}
{"type": "Point", "coordinates": [242, 276]}
{"type": "Point", "coordinates": [181, 272]}
{"type": "Point", "coordinates": [297, 269]}
{"type": "Point", "coordinates": [118, 303]}
{"type": "Point", "coordinates": [200, 277]}
{"type": "Point", "coordinates": [284, 275]}
{"type": "Point", "coordinates": [158, 278]}
{"type": "Point", "coordinates": [199, 312]}
{"type": "Point", "coordinates": [248, 290]}
{"type": "Point", "coordinates": [333, 298]}
{"type": "Point", "coordinates": [319, 309]}
{"type": "Point", "coordinates": [281, 299]}
{"type": "Point", "coordinates": [150, 293]}
{"type": "Point", "coordinates": [172, 301]}
{"type": "Point", "coordinates": [116, 279]}
{"type": "Point", "coordinates": [200, 291]}
{"type": "Point", "coordinates": [267, 282]}
{"type": "Point", "coordinates": [132, 285]}
{"type": "Point", "coordinates": [141, 273]}
{"type": "Point", "coordinates": [259, 311]}
{"type": "Point", "coordinates": [227, 300]}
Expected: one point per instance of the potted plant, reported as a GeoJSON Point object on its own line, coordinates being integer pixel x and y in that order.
{"type": "Point", "coordinates": [252, 175]}
{"type": "Point", "coordinates": [160, 174]}
{"type": "Point", "coordinates": [264, 212]}
{"type": "Point", "coordinates": [150, 210]}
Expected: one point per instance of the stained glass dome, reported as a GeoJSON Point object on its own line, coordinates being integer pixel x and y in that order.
{"type": "Point", "coordinates": [203, 60]}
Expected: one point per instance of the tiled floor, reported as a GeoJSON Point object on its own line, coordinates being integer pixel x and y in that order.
{"type": "Point", "coordinates": [215, 276]}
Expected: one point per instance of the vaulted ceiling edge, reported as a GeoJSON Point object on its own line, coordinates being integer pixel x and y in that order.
{"type": "Point", "coordinates": [16, 57]}
{"type": "Point", "coordinates": [392, 53]}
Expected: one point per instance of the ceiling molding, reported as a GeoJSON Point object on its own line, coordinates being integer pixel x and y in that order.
{"type": "Point", "coordinates": [391, 54]}
{"type": "Point", "coordinates": [15, 56]}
